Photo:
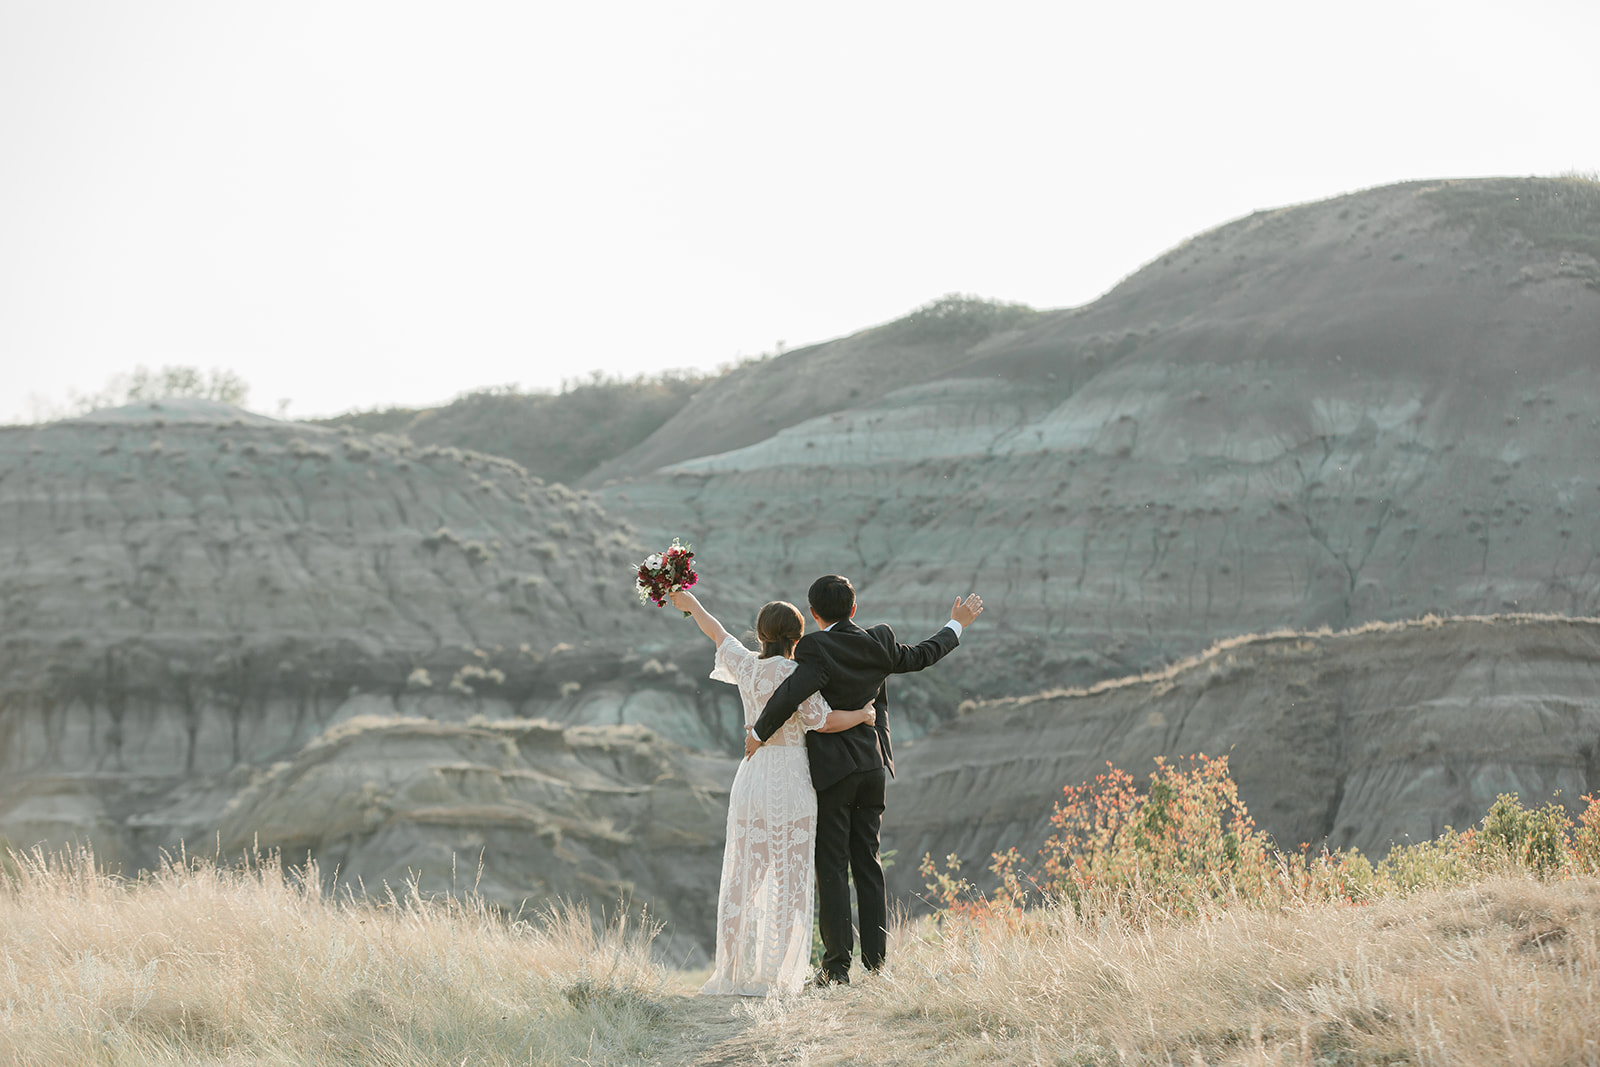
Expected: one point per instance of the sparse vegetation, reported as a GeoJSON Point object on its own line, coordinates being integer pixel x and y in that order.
{"type": "Point", "coordinates": [146, 385]}
{"type": "Point", "coordinates": [1556, 214]}
{"type": "Point", "coordinates": [558, 436]}
{"type": "Point", "coordinates": [958, 318]}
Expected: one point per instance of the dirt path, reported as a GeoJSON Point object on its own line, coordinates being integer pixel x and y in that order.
{"type": "Point", "coordinates": [816, 1027]}
{"type": "Point", "coordinates": [713, 1032]}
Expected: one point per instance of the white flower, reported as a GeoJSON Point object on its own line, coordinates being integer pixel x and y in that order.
{"type": "Point", "coordinates": [654, 561]}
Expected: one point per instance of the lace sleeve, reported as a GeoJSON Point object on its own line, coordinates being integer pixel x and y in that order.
{"type": "Point", "coordinates": [731, 655]}
{"type": "Point", "coordinates": [813, 712]}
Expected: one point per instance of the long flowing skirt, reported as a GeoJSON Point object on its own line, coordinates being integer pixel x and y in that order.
{"type": "Point", "coordinates": [764, 908]}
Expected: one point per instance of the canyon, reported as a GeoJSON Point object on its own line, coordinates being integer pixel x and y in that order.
{"type": "Point", "coordinates": [1364, 428]}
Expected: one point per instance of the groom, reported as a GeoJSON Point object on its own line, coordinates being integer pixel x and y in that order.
{"type": "Point", "coordinates": [850, 769]}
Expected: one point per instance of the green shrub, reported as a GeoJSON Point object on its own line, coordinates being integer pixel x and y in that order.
{"type": "Point", "coordinates": [1187, 845]}
{"type": "Point", "coordinates": [1586, 838]}
{"type": "Point", "coordinates": [1536, 840]}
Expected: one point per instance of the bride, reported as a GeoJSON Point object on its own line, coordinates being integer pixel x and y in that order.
{"type": "Point", "coordinates": [764, 907]}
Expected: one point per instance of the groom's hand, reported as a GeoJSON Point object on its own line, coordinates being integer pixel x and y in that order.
{"type": "Point", "coordinates": [965, 611]}
{"type": "Point", "coordinates": [750, 745]}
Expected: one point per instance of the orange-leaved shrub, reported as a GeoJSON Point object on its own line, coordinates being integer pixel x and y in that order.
{"type": "Point", "coordinates": [1187, 845]}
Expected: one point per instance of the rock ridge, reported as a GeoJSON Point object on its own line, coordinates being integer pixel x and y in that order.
{"type": "Point", "coordinates": [1380, 734]}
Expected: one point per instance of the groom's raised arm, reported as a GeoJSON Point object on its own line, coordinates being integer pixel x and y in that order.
{"type": "Point", "coordinates": [908, 658]}
{"type": "Point", "coordinates": [808, 678]}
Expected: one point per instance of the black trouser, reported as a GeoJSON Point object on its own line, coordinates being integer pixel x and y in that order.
{"type": "Point", "coordinates": [849, 814]}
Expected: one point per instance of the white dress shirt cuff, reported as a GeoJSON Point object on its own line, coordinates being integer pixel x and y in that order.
{"type": "Point", "coordinates": [956, 626]}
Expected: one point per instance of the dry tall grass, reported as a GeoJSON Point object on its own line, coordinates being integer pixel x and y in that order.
{"type": "Point", "coordinates": [1164, 930]}
{"type": "Point", "coordinates": [201, 965]}
{"type": "Point", "coordinates": [206, 964]}
{"type": "Point", "coordinates": [1505, 971]}
{"type": "Point", "coordinates": [1160, 927]}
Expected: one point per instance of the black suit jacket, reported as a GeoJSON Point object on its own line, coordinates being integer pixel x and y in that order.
{"type": "Point", "coordinates": [849, 666]}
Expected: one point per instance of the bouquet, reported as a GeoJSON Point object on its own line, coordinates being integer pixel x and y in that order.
{"type": "Point", "coordinates": [666, 572]}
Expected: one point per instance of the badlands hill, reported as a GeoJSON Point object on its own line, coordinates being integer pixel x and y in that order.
{"type": "Point", "coordinates": [1369, 408]}
{"type": "Point", "coordinates": [560, 437]}
{"type": "Point", "coordinates": [191, 594]}
{"type": "Point", "coordinates": [404, 656]}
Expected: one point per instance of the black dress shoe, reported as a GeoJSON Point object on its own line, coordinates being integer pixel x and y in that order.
{"type": "Point", "coordinates": [823, 978]}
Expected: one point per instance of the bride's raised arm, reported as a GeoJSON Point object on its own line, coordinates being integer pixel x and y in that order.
{"type": "Point", "coordinates": [684, 600]}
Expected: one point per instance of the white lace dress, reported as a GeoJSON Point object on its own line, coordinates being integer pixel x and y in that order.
{"type": "Point", "coordinates": [764, 907]}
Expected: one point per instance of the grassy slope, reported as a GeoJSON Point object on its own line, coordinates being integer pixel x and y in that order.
{"type": "Point", "coordinates": [198, 966]}
{"type": "Point", "coordinates": [203, 965]}
{"type": "Point", "coordinates": [1502, 971]}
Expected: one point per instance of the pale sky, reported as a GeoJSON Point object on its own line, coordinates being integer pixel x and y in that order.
{"type": "Point", "coordinates": [354, 204]}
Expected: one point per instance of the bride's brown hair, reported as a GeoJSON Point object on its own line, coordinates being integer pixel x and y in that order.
{"type": "Point", "coordinates": [778, 626]}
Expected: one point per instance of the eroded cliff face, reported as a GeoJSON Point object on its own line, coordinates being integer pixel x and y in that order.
{"type": "Point", "coordinates": [521, 811]}
{"type": "Point", "coordinates": [191, 593]}
{"type": "Point", "coordinates": [1370, 408]}
{"type": "Point", "coordinates": [1361, 739]}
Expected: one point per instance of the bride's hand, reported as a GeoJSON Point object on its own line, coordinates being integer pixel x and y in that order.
{"type": "Point", "coordinates": [869, 714]}
{"type": "Point", "coordinates": [681, 599]}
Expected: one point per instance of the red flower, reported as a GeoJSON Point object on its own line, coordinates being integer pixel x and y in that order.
{"type": "Point", "coordinates": [664, 573]}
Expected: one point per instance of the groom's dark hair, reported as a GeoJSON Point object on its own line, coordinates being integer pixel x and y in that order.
{"type": "Point", "coordinates": [831, 598]}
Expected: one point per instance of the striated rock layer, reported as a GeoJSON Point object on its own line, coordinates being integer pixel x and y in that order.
{"type": "Point", "coordinates": [189, 593]}
{"type": "Point", "coordinates": [1368, 408]}
{"type": "Point", "coordinates": [1361, 739]}
{"type": "Point", "coordinates": [522, 811]}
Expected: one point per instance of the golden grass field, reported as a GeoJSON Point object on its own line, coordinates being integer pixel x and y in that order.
{"type": "Point", "coordinates": [201, 964]}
